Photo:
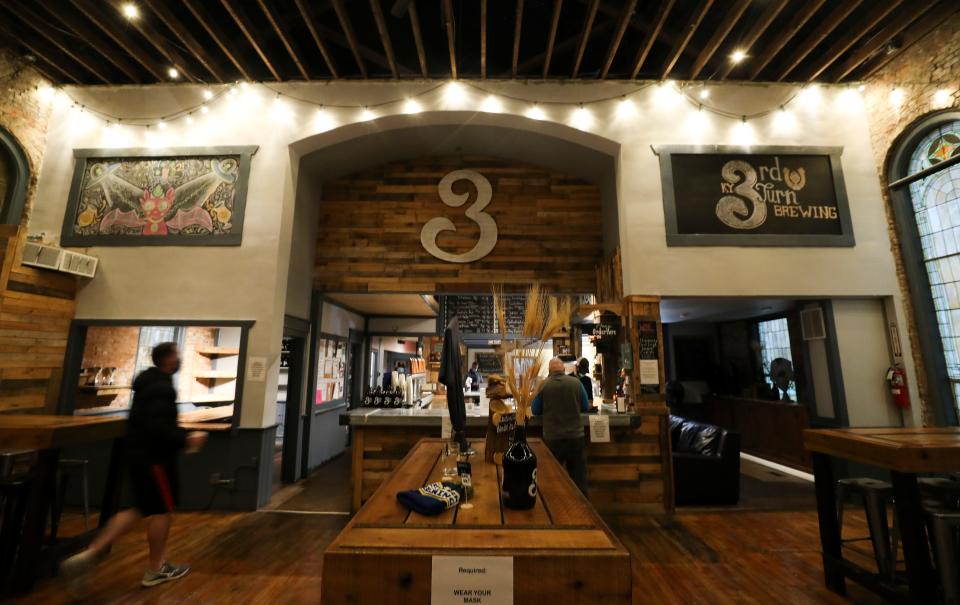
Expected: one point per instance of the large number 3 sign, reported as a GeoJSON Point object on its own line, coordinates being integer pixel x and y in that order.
{"type": "Point", "coordinates": [488, 227]}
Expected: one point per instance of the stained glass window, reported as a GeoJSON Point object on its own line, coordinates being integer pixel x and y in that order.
{"type": "Point", "coordinates": [936, 208]}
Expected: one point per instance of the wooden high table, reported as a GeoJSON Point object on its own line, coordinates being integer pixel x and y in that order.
{"type": "Point", "coordinates": [562, 551]}
{"type": "Point", "coordinates": [48, 434]}
{"type": "Point", "coordinates": [905, 453]}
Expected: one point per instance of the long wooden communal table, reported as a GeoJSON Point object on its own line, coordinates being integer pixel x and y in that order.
{"type": "Point", "coordinates": [904, 452]}
{"type": "Point", "coordinates": [631, 474]}
{"type": "Point", "coordinates": [48, 434]}
{"type": "Point", "coordinates": [563, 553]}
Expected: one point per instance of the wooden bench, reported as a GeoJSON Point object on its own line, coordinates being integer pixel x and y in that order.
{"type": "Point", "coordinates": [562, 551]}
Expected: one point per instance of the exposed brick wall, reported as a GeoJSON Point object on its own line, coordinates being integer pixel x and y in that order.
{"type": "Point", "coordinates": [114, 347]}
{"type": "Point", "coordinates": [24, 113]}
{"type": "Point", "coordinates": [930, 65]}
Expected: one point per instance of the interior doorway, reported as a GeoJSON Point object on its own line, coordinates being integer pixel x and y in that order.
{"type": "Point", "coordinates": [291, 388]}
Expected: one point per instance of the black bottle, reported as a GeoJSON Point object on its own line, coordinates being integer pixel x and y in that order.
{"type": "Point", "coordinates": [519, 485]}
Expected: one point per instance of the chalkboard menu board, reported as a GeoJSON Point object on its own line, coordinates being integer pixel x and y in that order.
{"type": "Point", "coordinates": [780, 196]}
{"type": "Point", "coordinates": [476, 313]}
{"type": "Point", "coordinates": [489, 363]}
{"type": "Point", "coordinates": [648, 354]}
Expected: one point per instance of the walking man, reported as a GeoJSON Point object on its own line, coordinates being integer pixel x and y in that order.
{"type": "Point", "coordinates": [561, 401]}
{"type": "Point", "coordinates": [153, 441]}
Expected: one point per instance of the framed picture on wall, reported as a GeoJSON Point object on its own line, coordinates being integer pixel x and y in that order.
{"type": "Point", "coordinates": [157, 197]}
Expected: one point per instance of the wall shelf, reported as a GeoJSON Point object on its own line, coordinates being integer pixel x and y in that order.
{"type": "Point", "coordinates": [213, 398]}
{"type": "Point", "coordinates": [215, 375]}
{"type": "Point", "coordinates": [218, 351]}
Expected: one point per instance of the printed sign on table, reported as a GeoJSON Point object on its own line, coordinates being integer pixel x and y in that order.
{"type": "Point", "coordinates": [472, 580]}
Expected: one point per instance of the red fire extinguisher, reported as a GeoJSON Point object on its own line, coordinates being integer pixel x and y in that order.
{"type": "Point", "coordinates": [897, 381]}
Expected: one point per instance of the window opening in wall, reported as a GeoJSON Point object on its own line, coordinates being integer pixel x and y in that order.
{"type": "Point", "coordinates": [775, 344]}
{"type": "Point", "coordinates": [151, 336]}
{"type": "Point", "coordinates": [935, 202]}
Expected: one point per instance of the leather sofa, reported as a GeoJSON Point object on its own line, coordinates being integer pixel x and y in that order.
{"type": "Point", "coordinates": [706, 463]}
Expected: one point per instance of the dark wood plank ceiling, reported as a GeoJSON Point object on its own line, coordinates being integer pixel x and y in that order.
{"type": "Point", "coordinates": [92, 42]}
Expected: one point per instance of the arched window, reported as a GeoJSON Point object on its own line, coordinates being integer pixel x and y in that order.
{"type": "Point", "coordinates": [14, 175]}
{"type": "Point", "coordinates": [925, 189]}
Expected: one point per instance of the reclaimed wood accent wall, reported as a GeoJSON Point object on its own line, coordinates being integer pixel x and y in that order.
{"type": "Point", "coordinates": [36, 308]}
{"type": "Point", "coordinates": [369, 237]}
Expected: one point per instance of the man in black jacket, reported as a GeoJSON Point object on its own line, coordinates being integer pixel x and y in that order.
{"type": "Point", "coordinates": [153, 442]}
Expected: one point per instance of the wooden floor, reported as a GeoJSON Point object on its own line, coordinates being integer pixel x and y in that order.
{"type": "Point", "coordinates": [766, 550]}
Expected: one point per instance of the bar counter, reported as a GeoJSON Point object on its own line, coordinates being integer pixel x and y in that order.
{"type": "Point", "coordinates": [629, 474]}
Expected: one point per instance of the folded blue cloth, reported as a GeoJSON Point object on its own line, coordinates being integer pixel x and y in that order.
{"type": "Point", "coordinates": [431, 499]}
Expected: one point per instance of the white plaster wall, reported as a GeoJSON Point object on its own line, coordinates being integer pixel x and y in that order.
{"type": "Point", "coordinates": [250, 281]}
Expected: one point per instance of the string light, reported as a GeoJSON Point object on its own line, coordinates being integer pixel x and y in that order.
{"type": "Point", "coordinates": [411, 106]}
{"type": "Point", "coordinates": [491, 104]}
{"type": "Point", "coordinates": [941, 98]}
{"type": "Point", "coordinates": [366, 115]}
{"type": "Point", "coordinates": [204, 109]}
{"type": "Point", "coordinates": [454, 93]}
{"type": "Point", "coordinates": [704, 94]}
{"type": "Point", "coordinates": [581, 118]}
{"type": "Point", "coordinates": [626, 108]}
{"type": "Point", "coordinates": [130, 11]}
{"type": "Point", "coordinates": [862, 87]}
{"type": "Point", "coordinates": [896, 97]}
{"type": "Point", "coordinates": [207, 94]}
{"type": "Point", "coordinates": [173, 73]}
{"type": "Point", "coordinates": [737, 56]}
{"type": "Point", "coordinates": [535, 113]}
{"type": "Point", "coordinates": [189, 120]}
{"type": "Point", "coordinates": [161, 124]}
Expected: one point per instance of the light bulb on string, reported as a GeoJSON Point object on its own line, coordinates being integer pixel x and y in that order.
{"type": "Point", "coordinates": [704, 93]}
{"type": "Point", "coordinates": [162, 124]}
{"type": "Point", "coordinates": [581, 117]}
{"type": "Point", "coordinates": [189, 119]}
{"type": "Point", "coordinates": [411, 106]}
{"type": "Point", "coordinates": [491, 104]}
{"type": "Point", "coordinates": [783, 120]}
{"type": "Point", "coordinates": [322, 120]}
{"type": "Point", "coordinates": [941, 98]}
{"type": "Point", "coordinates": [896, 97]}
{"type": "Point", "coordinates": [207, 94]}
{"type": "Point", "coordinates": [742, 133]}
{"type": "Point", "coordinates": [626, 108]}
{"type": "Point", "coordinates": [366, 115]}
{"type": "Point", "coordinates": [204, 109]}
{"type": "Point", "coordinates": [535, 113]}
{"type": "Point", "coordinates": [454, 93]}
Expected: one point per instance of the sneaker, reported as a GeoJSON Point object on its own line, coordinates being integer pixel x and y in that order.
{"type": "Point", "coordinates": [78, 570]}
{"type": "Point", "coordinates": [167, 572]}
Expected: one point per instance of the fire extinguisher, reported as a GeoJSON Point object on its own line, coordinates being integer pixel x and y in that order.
{"type": "Point", "coordinates": [897, 381]}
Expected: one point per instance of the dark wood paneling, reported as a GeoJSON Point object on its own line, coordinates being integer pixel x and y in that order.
{"type": "Point", "coordinates": [549, 229]}
{"type": "Point", "coordinates": [769, 429]}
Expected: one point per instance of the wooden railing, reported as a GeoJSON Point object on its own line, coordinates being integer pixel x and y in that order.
{"type": "Point", "coordinates": [769, 429]}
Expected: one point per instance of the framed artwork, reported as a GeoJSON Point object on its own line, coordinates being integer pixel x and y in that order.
{"type": "Point", "coordinates": [767, 196]}
{"type": "Point", "coordinates": [157, 197]}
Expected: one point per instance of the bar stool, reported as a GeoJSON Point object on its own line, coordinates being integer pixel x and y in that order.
{"type": "Point", "coordinates": [875, 495]}
{"type": "Point", "coordinates": [942, 490]}
{"type": "Point", "coordinates": [67, 468]}
{"type": "Point", "coordinates": [943, 524]}
{"type": "Point", "coordinates": [15, 492]}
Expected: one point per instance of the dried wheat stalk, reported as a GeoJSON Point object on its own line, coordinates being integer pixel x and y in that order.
{"type": "Point", "coordinates": [522, 356]}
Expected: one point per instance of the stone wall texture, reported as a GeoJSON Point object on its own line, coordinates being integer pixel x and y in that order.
{"type": "Point", "coordinates": [24, 112]}
{"type": "Point", "coordinates": [930, 65]}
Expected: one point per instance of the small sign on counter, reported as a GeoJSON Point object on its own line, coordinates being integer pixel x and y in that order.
{"type": "Point", "coordinates": [479, 580]}
{"type": "Point", "coordinates": [599, 428]}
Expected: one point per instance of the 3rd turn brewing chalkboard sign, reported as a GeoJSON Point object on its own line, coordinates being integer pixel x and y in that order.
{"type": "Point", "coordinates": [769, 196]}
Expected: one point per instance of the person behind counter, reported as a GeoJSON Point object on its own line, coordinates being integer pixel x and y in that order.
{"type": "Point", "coordinates": [560, 403]}
{"type": "Point", "coordinates": [583, 374]}
{"type": "Point", "coordinates": [153, 442]}
{"type": "Point", "coordinates": [474, 375]}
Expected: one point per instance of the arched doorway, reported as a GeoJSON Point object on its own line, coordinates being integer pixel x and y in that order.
{"type": "Point", "coordinates": [14, 177]}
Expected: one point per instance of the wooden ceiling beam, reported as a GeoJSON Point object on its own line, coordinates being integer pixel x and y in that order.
{"type": "Point", "coordinates": [584, 37]}
{"type": "Point", "coordinates": [18, 39]}
{"type": "Point", "coordinates": [245, 30]}
{"type": "Point", "coordinates": [517, 28]}
{"type": "Point", "coordinates": [852, 35]}
{"type": "Point", "coordinates": [691, 28]}
{"type": "Point", "coordinates": [563, 46]}
{"type": "Point", "coordinates": [552, 37]}
{"type": "Point", "coordinates": [723, 30]}
{"type": "Point", "coordinates": [628, 10]}
{"type": "Point", "coordinates": [451, 32]}
{"type": "Point", "coordinates": [784, 36]}
{"type": "Point", "coordinates": [96, 41]}
{"type": "Point", "coordinates": [483, 39]}
{"type": "Point", "coordinates": [217, 37]}
{"type": "Point", "coordinates": [365, 52]}
{"type": "Point", "coordinates": [840, 12]}
{"type": "Point", "coordinates": [284, 39]}
{"type": "Point", "coordinates": [312, 28]}
{"type": "Point", "coordinates": [96, 15]}
{"type": "Point", "coordinates": [758, 29]}
{"type": "Point", "coordinates": [35, 22]}
{"type": "Point", "coordinates": [347, 28]}
{"type": "Point", "coordinates": [418, 36]}
{"type": "Point", "coordinates": [913, 11]}
{"type": "Point", "coordinates": [911, 35]}
{"type": "Point", "coordinates": [662, 13]}
{"type": "Point", "coordinates": [377, 11]}
{"type": "Point", "coordinates": [174, 24]}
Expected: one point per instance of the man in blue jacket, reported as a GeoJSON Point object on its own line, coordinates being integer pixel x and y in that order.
{"type": "Point", "coordinates": [153, 443]}
{"type": "Point", "coordinates": [560, 402]}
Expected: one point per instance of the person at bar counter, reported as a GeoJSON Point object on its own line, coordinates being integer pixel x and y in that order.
{"type": "Point", "coordinates": [474, 375]}
{"type": "Point", "coordinates": [560, 402]}
{"type": "Point", "coordinates": [582, 373]}
{"type": "Point", "coordinates": [153, 441]}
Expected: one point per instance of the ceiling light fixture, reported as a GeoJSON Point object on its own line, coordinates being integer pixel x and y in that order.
{"type": "Point", "coordinates": [738, 55]}
{"type": "Point", "coordinates": [174, 73]}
